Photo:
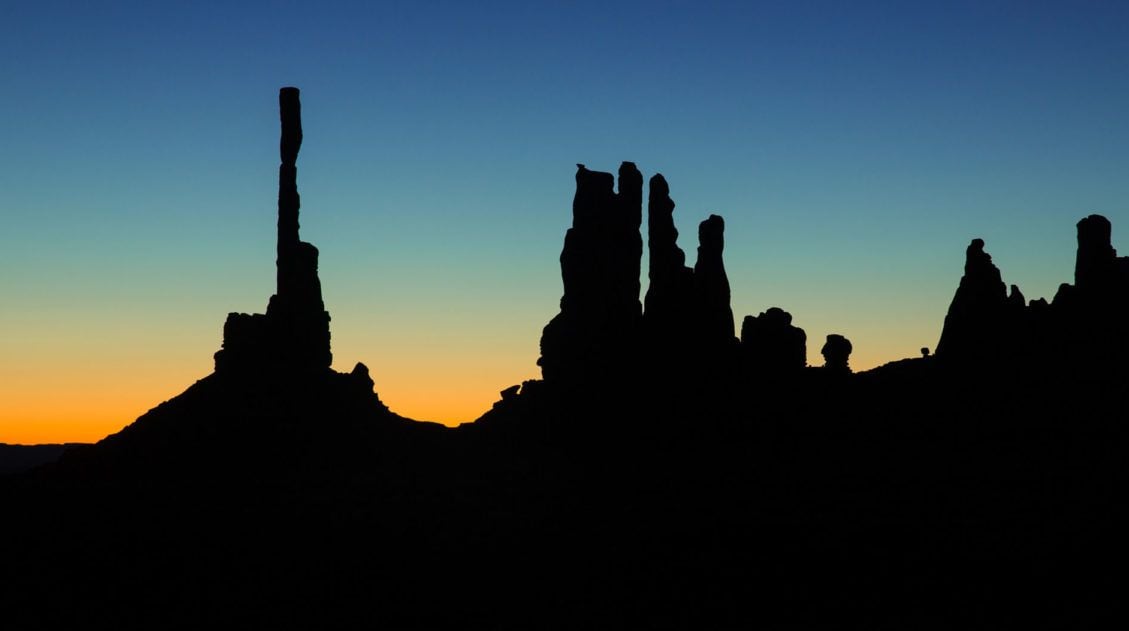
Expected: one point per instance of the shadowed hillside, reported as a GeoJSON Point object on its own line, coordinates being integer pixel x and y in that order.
{"type": "Point", "coordinates": [669, 470]}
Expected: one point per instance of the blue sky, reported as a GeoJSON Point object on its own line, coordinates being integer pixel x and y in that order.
{"type": "Point", "coordinates": [854, 149]}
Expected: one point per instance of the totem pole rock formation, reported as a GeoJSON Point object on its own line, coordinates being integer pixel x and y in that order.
{"type": "Point", "coordinates": [293, 335]}
{"type": "Point", "coordinates": [598, 325]}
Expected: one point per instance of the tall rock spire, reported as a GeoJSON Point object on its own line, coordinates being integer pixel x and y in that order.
{"type": "Point", "coordinates": [688, 312]}
{"type": "Point", "coordinates": [1096, 263]}
{"type": "Point", "coordinates": [668, 305]}
{"type": "Point", "coordinates": [1093, 311]}
{"type": "Point", "coordinates": [713, 285]}
{"type": "Point", "coordinates": [597, 326]}
{"type": "Point", "coordinates": [298, 286]}
{"type": "Point", "coordinates": [294, 333]}
{"type": "Point", "coordinates": [290, 142]}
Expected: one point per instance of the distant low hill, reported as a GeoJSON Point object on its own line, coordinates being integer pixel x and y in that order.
{"type": "Point", "coordinates": [16, 458]}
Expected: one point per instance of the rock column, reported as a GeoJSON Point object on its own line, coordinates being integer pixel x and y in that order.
{"type": "Point", "coordinates": [294, 333]}
{"type": "Point", "coordinates": [716, 315]}
{"type": "Point", "coordinates": [597, 328]}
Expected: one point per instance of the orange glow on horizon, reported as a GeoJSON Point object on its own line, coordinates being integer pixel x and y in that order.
{"type": "Point", "coordinates": [40, 407]}
{"type": "Point", "coordinates": [99, 394]}
{"type": "Point", "coordinates": [89, 410]}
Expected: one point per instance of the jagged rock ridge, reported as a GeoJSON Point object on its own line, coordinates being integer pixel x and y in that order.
{"type": "Point", "coordinates": [1082, 327]}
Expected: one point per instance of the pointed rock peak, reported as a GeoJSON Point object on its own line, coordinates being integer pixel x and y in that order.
{"type": "Point", "coordinates": [360, 376]}
{"type": "Point", "coordinates": [659, 187]}
{"type": "Point", "coordinates": [975, 325]}
{"type": "Point", "coordinates": [980, 272]}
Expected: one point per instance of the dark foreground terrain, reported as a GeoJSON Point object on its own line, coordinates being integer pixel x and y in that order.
{"type": "Point", "coordinates": [17, 458]}
{"type": "Point", "coordinates": [955, 506]}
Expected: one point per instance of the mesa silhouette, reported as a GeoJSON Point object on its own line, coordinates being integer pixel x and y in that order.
{"type": "Point", "coordinates": [663, 472]}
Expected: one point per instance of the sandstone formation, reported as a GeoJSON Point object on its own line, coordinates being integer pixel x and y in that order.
{"type": "Point", "coordinates": [663, 485]}
{"type": "Point", "coordinates": [712, 285]}
{"type": "Point", "coordinates": [1082, 327]}
{"type": "Point", "coordinates": [687, 312]}
{"type": "Point", "coordinates": [770, 343]}
{"type": "Point", "coordinates": [1097, 266]}
{"type": "Point", "coordinates": [836, 353]}
{"type": "Point", "coordinates": [600, 329]}
{"type": "Point", "coordinates": [977, 315]}
{"type": "Point", "coordinates": [1086, 321]}
{"type": "Point", "coordinates": [597, 329]}
{"type": "Point", "coordinates": [293, 335]}
{"type": "Point", "coordinates": [668, 311]}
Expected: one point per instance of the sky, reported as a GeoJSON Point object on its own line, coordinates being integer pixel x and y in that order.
{"type": "Point", "coordinates": [854, 149]}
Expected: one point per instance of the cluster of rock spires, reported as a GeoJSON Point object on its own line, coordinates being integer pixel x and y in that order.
{"type": "Point", "coordinates": [1082, 327]}
{"type": "Point", "coordinates": [729, 503]}
{"type": "Point", "coordinates": [686, 318]}
{"type": "Point", "coordinates": [686, 315]}
{"type": "Point", "coordinates": [604, 331]}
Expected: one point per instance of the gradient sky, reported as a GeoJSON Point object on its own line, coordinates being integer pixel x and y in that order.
{"type": "Point", "coordinates": [853, 148]}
